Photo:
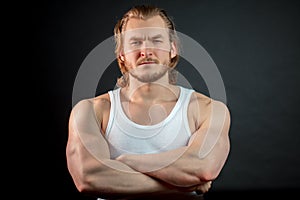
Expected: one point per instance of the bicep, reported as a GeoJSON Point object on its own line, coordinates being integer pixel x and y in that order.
{"type": "Point", "coordinates": [85, 134]}
{"type": "Point", "coordinates": [211, 141]}
{"type": "Point", "coordinates": [216, 130]}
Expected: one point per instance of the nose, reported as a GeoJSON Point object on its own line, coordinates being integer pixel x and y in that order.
{"type": "Point", "coordinates": [146, 50]}
{"type": "Point", "coordinates": [146, 53]}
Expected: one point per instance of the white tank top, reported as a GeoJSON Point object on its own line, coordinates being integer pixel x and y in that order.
{"type": "Point", "coordinates": [127, 137]}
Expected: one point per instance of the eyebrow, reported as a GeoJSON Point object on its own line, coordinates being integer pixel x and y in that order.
{"type": "Point", "coordinates": [140, 38]}
{"type": "Point", "coordinates": [157, 36]}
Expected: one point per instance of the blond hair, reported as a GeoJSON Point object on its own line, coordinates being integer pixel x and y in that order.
{"type": "Point", "coordinates": [144, 12]}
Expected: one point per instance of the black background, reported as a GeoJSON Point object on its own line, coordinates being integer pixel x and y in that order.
{"type": "Point", "coordinates": [255, 45]}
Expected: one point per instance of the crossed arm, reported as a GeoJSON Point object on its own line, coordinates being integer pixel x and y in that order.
{"type": "Point", "coordinates": [93, 171]}
{"type": "Point", "coordinates": [199, 162]}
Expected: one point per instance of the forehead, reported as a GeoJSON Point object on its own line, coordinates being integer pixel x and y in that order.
{"type": "Point", "coordinates": [153, 26]}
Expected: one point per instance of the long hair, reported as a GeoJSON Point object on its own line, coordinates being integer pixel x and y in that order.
{"type": "Point", "coordinates": [144, 12]}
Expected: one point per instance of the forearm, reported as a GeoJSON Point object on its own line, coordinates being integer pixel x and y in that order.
{"type": "Point", "coordinates": [182, 166]}
{"type": "Point", "coordinates": [147, 163]}
{"type": "Point", "coordinates": [126, 184]}
{"type": "Point", "coordinates": [177, 167]}
{"type": "Point", "coordinates": [110, 178]}
{"type": "Point", "coordinates": [114, 179]}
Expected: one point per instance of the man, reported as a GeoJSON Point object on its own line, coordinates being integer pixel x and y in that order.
{"type": "Point", "coordinates": [149, 137]}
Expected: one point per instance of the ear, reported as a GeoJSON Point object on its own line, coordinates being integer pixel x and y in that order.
{"type": "Point", "coordinates": [121, 56]}
{"type": "Point", "coordinates": [173, 50]}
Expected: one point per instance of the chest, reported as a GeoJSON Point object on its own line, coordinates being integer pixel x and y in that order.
{"type": "Point", "coordinates": [148, 114]}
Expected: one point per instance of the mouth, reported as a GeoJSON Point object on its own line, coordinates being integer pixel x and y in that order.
{"type": "Point", "coordinates": [147, 63]}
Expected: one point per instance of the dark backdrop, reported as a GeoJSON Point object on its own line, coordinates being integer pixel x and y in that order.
{"type": "Point", "coordinates": [254, 43]}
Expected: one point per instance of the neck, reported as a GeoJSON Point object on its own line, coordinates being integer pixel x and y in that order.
{"type": "Point", "coordinates": [150, 92]}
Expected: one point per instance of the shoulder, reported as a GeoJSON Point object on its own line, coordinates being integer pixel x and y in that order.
{"type": "Point", "coordinates": [206, 103]}
{"type": "Point", "coordinates": [95, 105]}
{"type": "Point", "coordinates": [102, 101]}
{"type": "Point", "coordinates": [204, 107]}
{"type": "Point", "coordinates": [199, 101]}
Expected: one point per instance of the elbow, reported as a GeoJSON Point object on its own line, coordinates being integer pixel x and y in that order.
{"type": "Point", "coordinates": [87, 185]}
{"type": "Point", "coordinates": [81, 175]}
{"type": "Point", "coordinates": [207, 175]}
{"type": "Point", "coordinates": [83, 188]}
{"type": "Point", "coordinates": [213, 166]}
{"type": "Point", "coordinates": [90, 184]}
{"type": "Point", "coordinates": [83, 185]}
{"type": "Point", "coordinates": [210, 171]}
{"type": "Point", "coordinates": [82, 182]}
{"type": "Point", "coordinates": [99, 189]}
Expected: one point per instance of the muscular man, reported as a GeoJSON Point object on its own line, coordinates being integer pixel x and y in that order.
{"type": "Point", "coordinates": [149, 137]}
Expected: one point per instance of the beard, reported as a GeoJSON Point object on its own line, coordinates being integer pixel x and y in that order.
{"type": "Point", "coordinates": [149, 73]}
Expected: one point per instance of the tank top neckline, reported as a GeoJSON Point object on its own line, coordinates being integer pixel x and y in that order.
{"type": "Point", "coordinates": [157, 125]}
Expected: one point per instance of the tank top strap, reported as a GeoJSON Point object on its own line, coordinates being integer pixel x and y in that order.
{"type": "Point", "coordinates": [113, 103]}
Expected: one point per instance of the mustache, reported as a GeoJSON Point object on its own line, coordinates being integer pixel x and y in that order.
{"type": "Point", "coordinates": [144, 60]}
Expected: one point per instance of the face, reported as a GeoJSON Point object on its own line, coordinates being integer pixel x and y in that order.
{"type": "Point", "coordinates": [147, 50]}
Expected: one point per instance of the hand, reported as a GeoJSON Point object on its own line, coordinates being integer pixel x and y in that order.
{"type": "Point", "coordinates": [203, 188]}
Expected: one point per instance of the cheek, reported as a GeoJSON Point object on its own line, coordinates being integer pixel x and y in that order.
{"type": "Point", "coordinates": [164, 55]}
{"type": "Point", "coordinates": [131, 57]}
{"type": "Point", "coordinates": [130, 61]}
{"type": "Point", "coordinates": [162, 52]}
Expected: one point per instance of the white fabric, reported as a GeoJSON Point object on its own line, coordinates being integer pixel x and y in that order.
{"type": "Point", "coordinates": [127, 137]}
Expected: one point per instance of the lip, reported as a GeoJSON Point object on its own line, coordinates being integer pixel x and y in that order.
{"type": "Point", "coordinates": [149, 62]}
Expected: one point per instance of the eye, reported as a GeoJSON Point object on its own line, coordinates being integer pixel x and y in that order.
{"type": "Point", "coordinates": [157, 41]}
{"type": "Point", "coordinates": [135, 43]}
